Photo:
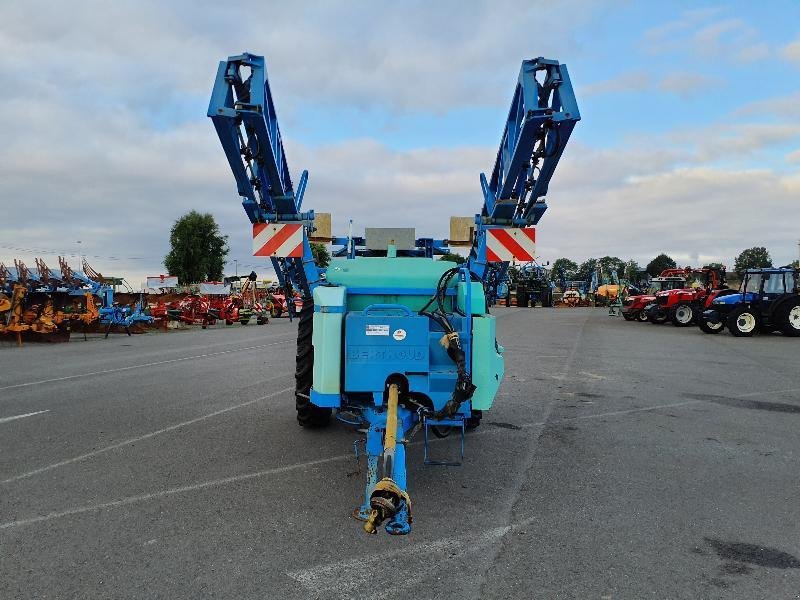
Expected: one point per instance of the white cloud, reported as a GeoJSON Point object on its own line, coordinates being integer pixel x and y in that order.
{"type": "Point", "coordinates": [632, 81]}
{"type": "Point", "coordinates": [707, 33]}
{"type": "Point", "coordinates": [782, 107]}
{"type": "Point", "coordinates": [791, 51]}
{"type": "Point", "coordinates": [687, 84]}
{"type": "Point", "coordinates": [105, 138]}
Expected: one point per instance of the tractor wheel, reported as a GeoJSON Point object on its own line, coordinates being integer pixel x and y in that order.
{"type": "Point", "coordinates": [641, 316]}
{"type": "Point", "coordinates": [683, 315]}
{"type": "Point", "coordinates": [658, 317]}
{"type": "Point", "coordinates": [474, 419]}
{"type": "Point", "coordinates": [743, 322]}
{"type": "Point", "coordinates": [547, 299]}
{"type": "Point", "coordinates": [708, 327]}
{"type": "Point", "coordinates": [308, 415]}
{"type": "Point", "coordinates": [628, 316]}
{"type": "Point", "coordinates": [790, 319]}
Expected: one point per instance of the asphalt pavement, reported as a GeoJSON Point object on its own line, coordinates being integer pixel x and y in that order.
{"type": "Point", "coordinates": [621, 460]}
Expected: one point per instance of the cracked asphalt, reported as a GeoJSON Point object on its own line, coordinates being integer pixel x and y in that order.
{"type": "Point", "coordinates": [621, 460]}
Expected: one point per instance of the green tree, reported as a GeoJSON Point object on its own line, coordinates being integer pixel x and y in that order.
{"type": "Point", "coordinates": [198, 250]}
{"type": "Point", "coordinates": [631, 270]}
{"type": "Point", "coordinates": [586, 269]}
{"type": "Point", "coordinates": [452, 257]}
{"type": "Point", "coordinates": [321, 255]}
{"type": "Point", "coordinates": [565, 265]}
{"type": "Point", "coordinates": [714, 265]}
{"type": "Point", "coordinates": [611, 264]}
{"type": "Point", "coordinates": [659, 263]}
{"type": "Point", "coordinates": [756, 257]}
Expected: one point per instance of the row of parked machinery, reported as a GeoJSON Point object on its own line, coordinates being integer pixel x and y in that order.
{"type": "Point", "coordinates": [48, 304]}
{"type": "Point", "coordinates": [217, 302]}
{"type": "Point", "coordinates": [767, 300]}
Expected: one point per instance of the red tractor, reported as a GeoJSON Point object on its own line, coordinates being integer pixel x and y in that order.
{"type": "Point", "coordinates": [633, 308]}
{"type": "Point", "coordinates": [683, 305]}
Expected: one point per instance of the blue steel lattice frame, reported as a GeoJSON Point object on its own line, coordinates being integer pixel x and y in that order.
{"type": "Point", "coordinates": [543, 114]}
{"type": "Point", "coordinates": [540, 121]}
{"type": "Point", "coordinates": [246, 122]}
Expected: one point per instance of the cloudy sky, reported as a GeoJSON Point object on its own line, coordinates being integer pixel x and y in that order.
{"type": "Point", "coordinates": [689, 143]}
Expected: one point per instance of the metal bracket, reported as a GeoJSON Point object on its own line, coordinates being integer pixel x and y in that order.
{"type": "Point", "coordinates": [454, 422]}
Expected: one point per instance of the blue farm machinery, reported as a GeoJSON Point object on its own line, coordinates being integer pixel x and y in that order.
{"type": "Point", "coordinates": [45, 304]}
{"type": "Point", "coordinates": [395, 342]}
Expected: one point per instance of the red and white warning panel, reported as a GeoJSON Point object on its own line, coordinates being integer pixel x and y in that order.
{"type": "Point", "coordinates": [514, 243]}
{"type": "Point", "coordinates": [282, 240]}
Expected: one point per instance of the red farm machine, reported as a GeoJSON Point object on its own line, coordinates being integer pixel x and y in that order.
{"type": "Point", "coordinates": [682, 305]}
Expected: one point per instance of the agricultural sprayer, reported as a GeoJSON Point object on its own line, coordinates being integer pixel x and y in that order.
{"type": "Point", "coordinates": [394, 341]}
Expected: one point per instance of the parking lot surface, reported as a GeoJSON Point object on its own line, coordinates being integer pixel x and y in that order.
{"type": "Point", "coordinates": [621, 460]}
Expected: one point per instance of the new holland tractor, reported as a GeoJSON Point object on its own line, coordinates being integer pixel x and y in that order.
{"type": "Point", "coordinates": [768, 300]}
{"type": "Point", "coordinates": [390, 339]}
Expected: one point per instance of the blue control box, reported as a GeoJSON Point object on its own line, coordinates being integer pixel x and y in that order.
{"type": "Point", "coordinates": [380, 344]}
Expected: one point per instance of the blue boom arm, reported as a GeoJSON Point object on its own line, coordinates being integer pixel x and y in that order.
{"type": "Point", "coordinates": [244, 117]}
{"type": "Point", "coordinates": [543, 114]}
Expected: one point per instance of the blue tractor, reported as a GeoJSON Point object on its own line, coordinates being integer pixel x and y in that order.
{"type": "Point", "coordinates": [392, 340]}
{"type": "Point", "coordinates": [768, 300]}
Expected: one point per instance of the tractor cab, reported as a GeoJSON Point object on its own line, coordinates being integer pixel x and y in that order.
{"type": "Point", "coordinates": [768, 299]}
{"type": "Point", "coordinates": [633, 308]}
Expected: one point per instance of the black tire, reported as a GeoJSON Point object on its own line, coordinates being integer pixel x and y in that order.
{"type": "Point", "coordinates": [743, 322]}
{"type": "Point", "coordinates": [473, 420]}
{"type": "Point", "coordinates": [658, 317]}
{"type": "Point", "coordinates": [641, 316]}
{"type": "Point", "coordinates": [683, 315]}
{"type": "Point", "coordinates": [308, 415]}
{"type": "Point", "coordinates": [789, 319]}
{"type": "Point", "coordinates": [707, 327]}
{"type": "Point", "coordinates": [628, 316]}
{"type": "Point", "coordinates": [547, 299]}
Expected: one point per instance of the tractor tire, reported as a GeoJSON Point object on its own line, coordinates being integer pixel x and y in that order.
{"type": "Point", "coordinates": [547, 299]}
{"type": "Point", "coordinates": [473, 420]}
{"type": "Point", "coordinates": [658, 318]}
{"type": "Point", "coordinates": [683, 315]}
{"type": "Point", "coordinates": [308, 415]}
{"type": "Point", "coordinates": [628, 316]}
{"type": "Point", "coordinates": [641, 316]}
{"type": "Point", "coordinates": [743, 322]}
{"type": "Point", "coordinates": [789, 319]}
{"type": "Point", "coordinates": [707, 327]}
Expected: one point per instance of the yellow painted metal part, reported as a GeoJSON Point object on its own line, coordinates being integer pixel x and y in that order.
{"type": "Point", "coordinates": [44, 322]}
{"type": "Point", "coordinates": [386, 488]}
{"type": "Point", "coordinates": [390, 438]}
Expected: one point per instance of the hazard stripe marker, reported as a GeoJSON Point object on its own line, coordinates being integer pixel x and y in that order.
{"type": "Point", "coordinates": [282, 240]}
{"type": "Point", "coordinates": [507, 244]}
